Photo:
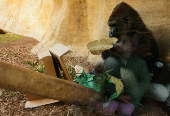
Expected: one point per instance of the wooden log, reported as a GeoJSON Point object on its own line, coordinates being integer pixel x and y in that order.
{"type": "Point", "coordinates": [17, 78]}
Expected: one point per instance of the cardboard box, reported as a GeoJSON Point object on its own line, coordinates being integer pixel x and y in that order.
{"type": "Point", "coordinates": [53, 64]}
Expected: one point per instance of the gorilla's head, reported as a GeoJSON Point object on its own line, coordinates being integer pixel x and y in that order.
{"type": "Point", "coordinates": [125, 19]}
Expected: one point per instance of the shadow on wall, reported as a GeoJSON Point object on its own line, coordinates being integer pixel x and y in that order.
{"type": "Point", "coordinates": [2, 31]}
{"type": "Point", "coordinates": [161, 33]}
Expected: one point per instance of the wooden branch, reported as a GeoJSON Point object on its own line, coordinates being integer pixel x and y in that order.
{"type": "Point", "coordinates": [17, 78]}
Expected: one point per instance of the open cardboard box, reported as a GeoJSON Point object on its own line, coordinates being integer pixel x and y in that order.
{"type": "Point", "coordinates": [53, 61]}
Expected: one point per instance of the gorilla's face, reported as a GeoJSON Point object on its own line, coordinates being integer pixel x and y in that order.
{"type": "Point", "coordinates": [120, 26]}
{"type": "Point", "coordinates": [113, 29]}
{"type": "Point", "coordinates": [123, 19]}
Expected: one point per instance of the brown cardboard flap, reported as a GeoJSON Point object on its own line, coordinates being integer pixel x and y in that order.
{"type": "Point", "coordinates": [49, 66]}
{"type": "Point", "coordinates": [39, 102]}
{"type": "Point", "coordinates": [62, 66]}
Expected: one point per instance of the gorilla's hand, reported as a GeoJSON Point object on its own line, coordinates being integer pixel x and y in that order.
{"type": "Point", "coordinates": [109, 52]}
{"type": "Point", "coordinates": [105, 54]}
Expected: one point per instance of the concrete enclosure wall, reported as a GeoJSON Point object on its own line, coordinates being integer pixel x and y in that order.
{"type": "Point", "coordinates": [76, 22]}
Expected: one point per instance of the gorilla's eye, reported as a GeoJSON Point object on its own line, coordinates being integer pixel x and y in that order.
{"type": "Point", "coordinates": [112, 25]}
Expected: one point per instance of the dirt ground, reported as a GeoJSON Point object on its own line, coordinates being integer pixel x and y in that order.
{"type": "Point", "coordinates": [18, 52]}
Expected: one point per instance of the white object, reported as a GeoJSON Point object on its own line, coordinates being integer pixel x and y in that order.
{"type": "Point", "coordinates": [78, 70]}
{"type": "Point", "coordinates": [159, 64]}
{"type": "Point", "coordinates": [59, 49]}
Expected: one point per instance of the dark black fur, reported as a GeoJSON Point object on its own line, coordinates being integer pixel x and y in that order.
{"type": "Point", "coordinates": [124, 20]}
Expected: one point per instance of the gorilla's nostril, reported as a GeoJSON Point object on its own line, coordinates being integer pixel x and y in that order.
{"type": "Point", "coordinates": [111, 32]}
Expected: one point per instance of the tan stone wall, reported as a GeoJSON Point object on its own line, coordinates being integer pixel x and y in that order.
{"type": "Point", "coordinates": [76, 22]}
{"type": "Point", "coordinates": [26, 17]}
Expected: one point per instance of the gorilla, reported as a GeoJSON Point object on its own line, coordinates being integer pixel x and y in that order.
{"type": "Point", "coordinates": [125, 22]}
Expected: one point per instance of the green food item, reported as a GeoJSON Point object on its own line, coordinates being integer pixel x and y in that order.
{"type": "Point", "coordinates": [103, 83]}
